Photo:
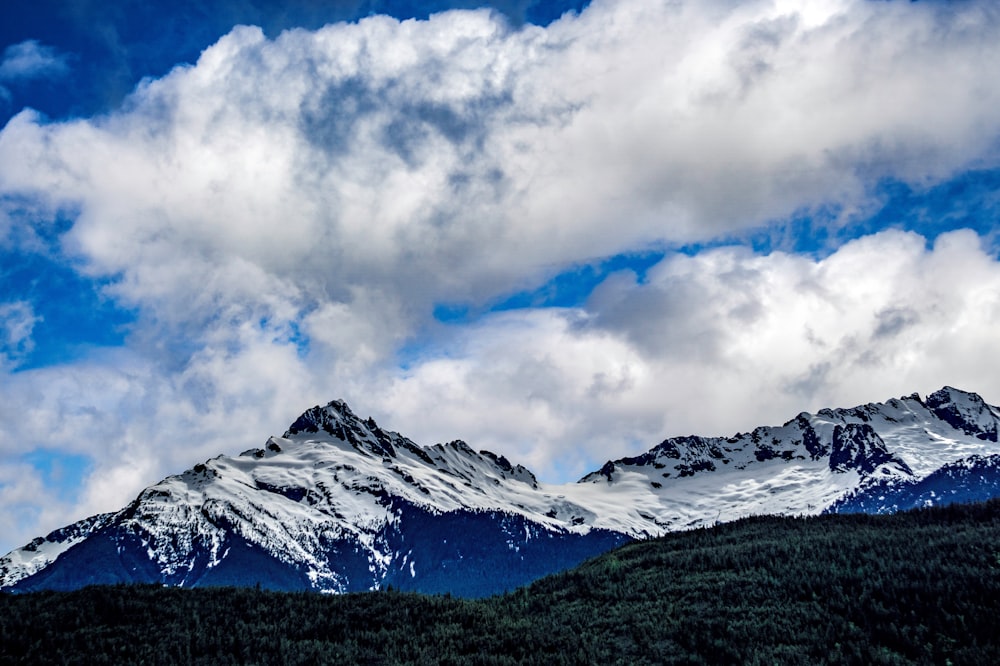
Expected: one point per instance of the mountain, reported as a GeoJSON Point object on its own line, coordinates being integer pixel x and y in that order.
{"type": "Point", "coordinates": [972, 479]}
{"type": "Point", "coordinates": [917, 587]}
{"type": "Point", "coordinates": [339, 504]}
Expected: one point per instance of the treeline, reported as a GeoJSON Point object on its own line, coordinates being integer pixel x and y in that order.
{"type": "Point", "coordinates": [921, 587]}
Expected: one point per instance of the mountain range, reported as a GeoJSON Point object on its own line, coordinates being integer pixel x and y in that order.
{"type": "Point", "coordinates": [339, 504]}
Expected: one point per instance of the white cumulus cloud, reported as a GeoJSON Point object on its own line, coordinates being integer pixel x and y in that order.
{"type": "Point", "coordinates": [284, 215]}
{"type": "Point", "coordinates": [713, 344]}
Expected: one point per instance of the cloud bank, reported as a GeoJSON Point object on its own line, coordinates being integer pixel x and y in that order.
{"type": "Point", "coordinates": [284, 216]}
{"type": "Point", "coordinates": [714, 344]}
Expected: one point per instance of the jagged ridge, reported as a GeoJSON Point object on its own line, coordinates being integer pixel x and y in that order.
{"type": "Point", "coordinates": [339, 503]}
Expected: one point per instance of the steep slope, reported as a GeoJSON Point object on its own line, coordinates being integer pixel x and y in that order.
{"type": "Point", "coordinates": [340, 504]}
{"type": "Point", "coordinates": [336, 504]}
{"type": "Point", "coordinates": [807, 464]}
{"type": "Point", "coordinates": [972, 479]}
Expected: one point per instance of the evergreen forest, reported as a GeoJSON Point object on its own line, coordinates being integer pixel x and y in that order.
{"type": "Point", "coordinates": [920, 587]}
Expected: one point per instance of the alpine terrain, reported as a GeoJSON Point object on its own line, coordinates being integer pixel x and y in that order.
{"type": "Point", "coordinates": [339, 504]}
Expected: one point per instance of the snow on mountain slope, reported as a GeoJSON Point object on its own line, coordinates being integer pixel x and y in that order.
{"type": "Point", "coordinates": [972, 479]}
{"type": "Point", "coordinates": [43, 551]}
{"type": "Point", "coordinates": [333, 488]}
{"type": "Point", "coordinates": [805, 465]}
{"type": "Point", "coordinates": [338, 503]}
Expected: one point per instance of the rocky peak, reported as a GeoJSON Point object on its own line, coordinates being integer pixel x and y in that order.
{"type": "Point", "coordinates": [856, 446]}
{"type": "Point", "coordinates": [327, 418]}
{"type": "Point", "coordinates": [966, 412]}
{"type": "Point", "coordinates": [508, 470]}
{"type": "Point", "coordinates": [337, 420]}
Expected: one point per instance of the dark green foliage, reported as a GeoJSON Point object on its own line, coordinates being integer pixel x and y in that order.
{"type": "Point", "coordinates": [914, 588]}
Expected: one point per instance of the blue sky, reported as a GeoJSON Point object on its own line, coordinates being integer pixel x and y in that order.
{"type": "Point", "coordinates": [560, 231]}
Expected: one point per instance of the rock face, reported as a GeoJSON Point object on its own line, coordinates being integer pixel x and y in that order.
{"type": "Point", "coordinates": [339, 504]}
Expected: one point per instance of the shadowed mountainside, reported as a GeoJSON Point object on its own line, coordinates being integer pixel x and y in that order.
{"type": "Point", "coordinates": [920, 587]}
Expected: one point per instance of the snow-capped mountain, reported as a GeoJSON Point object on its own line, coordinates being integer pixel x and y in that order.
{"type": "Point", "coordinates": [340, 504]}
{"type": "Point", "coordinates": [972, 479]}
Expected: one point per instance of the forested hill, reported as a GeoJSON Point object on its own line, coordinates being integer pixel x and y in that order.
{"type": "Point", "coordinates": [918, 587]}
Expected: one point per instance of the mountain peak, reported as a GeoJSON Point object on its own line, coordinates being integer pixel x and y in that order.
{"type": "Point", "coordinates": [339, 503]}
{"type": "Point", "coordinates": [338, 421]}
{"type": "Point", "coordinates": [326, 418]}
{"type": "Point", "coordinates": [966, 412]}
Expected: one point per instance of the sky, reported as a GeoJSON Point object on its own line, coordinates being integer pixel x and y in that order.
{"type": "Point", "coordinates": [560, 231]}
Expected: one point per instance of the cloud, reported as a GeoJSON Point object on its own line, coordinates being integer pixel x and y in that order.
{"type": "Point", "coordinates": [17, 320]}
{"type": "Point", "coordinates": [457, 158]}
{"type": "Point", "coordinates": [559, 389]}
{"type": "Point", "coordinates": [881, 312]}
{"type": "Point", "coordinates": [711, 344]}
{"type": "Point", "coordinates": [284, 215]}
{"type": "Point", "coordinates": [20, 488]}
{"type": "Point", "coordinates": [133, 421]}
{"type": "Point", "coordinates": [31, 60]}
